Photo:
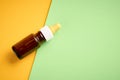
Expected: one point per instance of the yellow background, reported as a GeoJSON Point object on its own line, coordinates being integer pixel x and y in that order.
{"type": "Point", "coordinates": [18, 18]}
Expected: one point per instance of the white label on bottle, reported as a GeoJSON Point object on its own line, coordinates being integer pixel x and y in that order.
{"type": "Point", "coordinates": [47, 33]}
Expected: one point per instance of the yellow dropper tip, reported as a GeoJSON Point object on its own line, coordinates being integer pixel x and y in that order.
{"type": "Point", "coordinates": [55, 28]}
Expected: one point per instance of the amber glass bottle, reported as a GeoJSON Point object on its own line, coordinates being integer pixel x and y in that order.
{"type": "Point", "coordinates": [33, 41]}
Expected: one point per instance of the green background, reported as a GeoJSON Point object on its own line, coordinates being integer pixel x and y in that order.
{"type": "Point", "coordinates": [87, 47]}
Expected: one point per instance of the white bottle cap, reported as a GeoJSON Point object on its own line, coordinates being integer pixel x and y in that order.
{"type": "Point", "coordinates": [47, 33]}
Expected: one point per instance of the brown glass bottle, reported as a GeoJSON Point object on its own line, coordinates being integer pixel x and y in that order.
{"type": "Point", "coordinates": [28, 44]}
{"type": "Point", "coordinates": [33, 41]}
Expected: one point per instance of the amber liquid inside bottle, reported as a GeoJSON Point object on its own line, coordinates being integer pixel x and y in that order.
{"type": "Point", "coordinates": [28, 44]}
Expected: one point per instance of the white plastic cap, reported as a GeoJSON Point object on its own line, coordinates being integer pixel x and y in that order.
{"type": "Point", "coordinates": [47, 33]}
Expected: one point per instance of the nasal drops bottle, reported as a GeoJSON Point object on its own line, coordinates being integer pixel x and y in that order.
{"type": "Point", "coordinates": [33, 41]}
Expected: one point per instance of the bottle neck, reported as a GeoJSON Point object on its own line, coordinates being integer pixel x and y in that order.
{"type": "Point", "coordinates": [44, 34]}
{"type": "Point", "coordinates": [39, 37]}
